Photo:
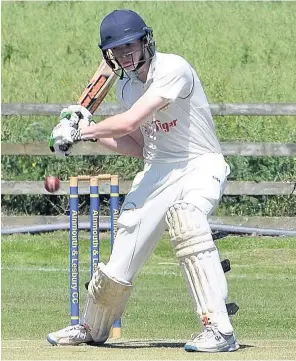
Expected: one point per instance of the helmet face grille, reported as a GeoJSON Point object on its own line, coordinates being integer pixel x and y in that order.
{"type": "Point", "coordinates": [148, 52]}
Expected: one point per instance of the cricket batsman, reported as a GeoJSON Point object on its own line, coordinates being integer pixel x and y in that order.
{"type": "Point", "coordinates": [167, 121]}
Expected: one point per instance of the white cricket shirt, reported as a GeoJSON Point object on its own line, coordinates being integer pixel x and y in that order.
{"type": "Point", "coordinates": [185, 128]}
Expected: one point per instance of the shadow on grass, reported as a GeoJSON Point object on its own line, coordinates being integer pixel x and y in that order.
{"type": "Point", "coordinates": [139, 344]}
{"type": "Point", "coordinates": [136, 344]}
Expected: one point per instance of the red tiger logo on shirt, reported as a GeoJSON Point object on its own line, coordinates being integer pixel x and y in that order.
{"type": "Point", "coordinates": [165, 126]}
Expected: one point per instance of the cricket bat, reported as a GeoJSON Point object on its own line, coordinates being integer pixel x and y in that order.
{"type": "Point", "coordinates": [98, 87]}
{"type": "Point", "coordinates": [95, 92]}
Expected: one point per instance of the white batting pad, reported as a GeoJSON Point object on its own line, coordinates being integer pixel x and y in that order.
{"type": "Point", "coordinates": [106, 301]}
{"type": "Point", "coordinates": [198, 257]}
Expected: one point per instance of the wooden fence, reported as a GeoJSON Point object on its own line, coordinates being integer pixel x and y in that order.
{"type": "Point", "coordinates": [111, 109]}
{"type": "Point", "coordinates": [89, 148]}
{"type": "Point", "coordinates": [233, 148]}
{"type": "Point", "coordinates": [233, 188]}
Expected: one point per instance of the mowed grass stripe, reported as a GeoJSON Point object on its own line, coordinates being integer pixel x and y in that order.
{"type": "Point", "coordinates": [141, 349]}
{"type": "Point", "coordinates": [166, 272]}
{"type": "Point", "coordinates": [35, 303]}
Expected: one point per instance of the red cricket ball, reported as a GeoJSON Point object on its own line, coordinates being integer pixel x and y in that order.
{"type": "Point", "coordinates": [52, 184]}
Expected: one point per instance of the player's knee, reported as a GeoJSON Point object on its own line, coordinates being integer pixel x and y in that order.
{"type": "Point", "coordinates": [189, 229]}
{"type": "Point", "coordinates": [185, 220]}
{"type": "Point", "coordinates": [105, 289]}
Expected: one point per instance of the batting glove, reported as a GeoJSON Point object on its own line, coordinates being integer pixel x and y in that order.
{"type": "Point", "coordinates": [62, 138]}
{"type": "Point", "coordinates": [77, 115]}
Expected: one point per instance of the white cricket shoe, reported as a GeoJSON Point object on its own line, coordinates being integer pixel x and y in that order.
{"type": "Point", "coordinates": [71, 335]}
{"type": "Point", "coordinates": [211, 340]}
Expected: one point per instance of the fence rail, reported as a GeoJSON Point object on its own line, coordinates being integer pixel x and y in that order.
{"type": "Point", "coordinates": [232, 188]}
{"type": "Point", "coordinates": [89, 148]}
{"type": "Point", "coordinates": [285, 223]}
{"type": "Point", "coordinates": [111, 109]}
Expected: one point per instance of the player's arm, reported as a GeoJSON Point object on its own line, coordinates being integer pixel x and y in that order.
{"type": "Point", "coordinates": [137, 136]}
{"type": "Point", "coordinates": [125, 123]}
{"type": "Point", "coordinates": [127, 145]}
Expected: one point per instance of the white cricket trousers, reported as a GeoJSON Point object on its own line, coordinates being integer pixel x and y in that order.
{"type": "Point", "coordinates": [199, 181]}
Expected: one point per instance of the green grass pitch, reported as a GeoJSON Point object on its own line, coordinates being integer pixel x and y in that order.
{"type": "Point", "coordinates": [160, 316]}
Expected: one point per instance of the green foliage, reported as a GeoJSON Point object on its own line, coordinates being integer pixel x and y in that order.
{"type": "Point", "coordinates": [262, 169]}
{"type": "Point", "coordinates": [50, 204]}
{"type": "Point", "coordinates": [36, 167]}
{"type": "Point", "coordinates": [268, 206]}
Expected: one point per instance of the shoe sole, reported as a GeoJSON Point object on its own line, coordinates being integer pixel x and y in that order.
{"type": "Point", "coordinates": [230, 348]}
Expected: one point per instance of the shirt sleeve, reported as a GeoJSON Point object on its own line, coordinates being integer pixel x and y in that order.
{"type": "Point", "coordinates": [173, 84]}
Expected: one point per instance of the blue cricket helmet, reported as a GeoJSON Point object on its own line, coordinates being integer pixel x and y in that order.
{"type": "Point", "coordinates": [122, 27]}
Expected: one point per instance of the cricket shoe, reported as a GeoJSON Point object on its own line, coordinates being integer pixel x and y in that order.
{"type": "Point", "coordinates": [211, 340]}
{"type": "Point", "coordinates": [71, 335]}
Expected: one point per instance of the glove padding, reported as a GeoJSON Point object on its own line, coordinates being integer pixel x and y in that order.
{"type": "Point", "coordinates": [67, 132]}
{"type": "Point", "coordinates": [63, 137]}
{"type": "Point", "coordinates": [77, 115]}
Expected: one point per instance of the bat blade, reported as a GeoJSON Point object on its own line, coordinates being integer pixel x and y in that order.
{"type": "Point", "coordinates": [98, 87]}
